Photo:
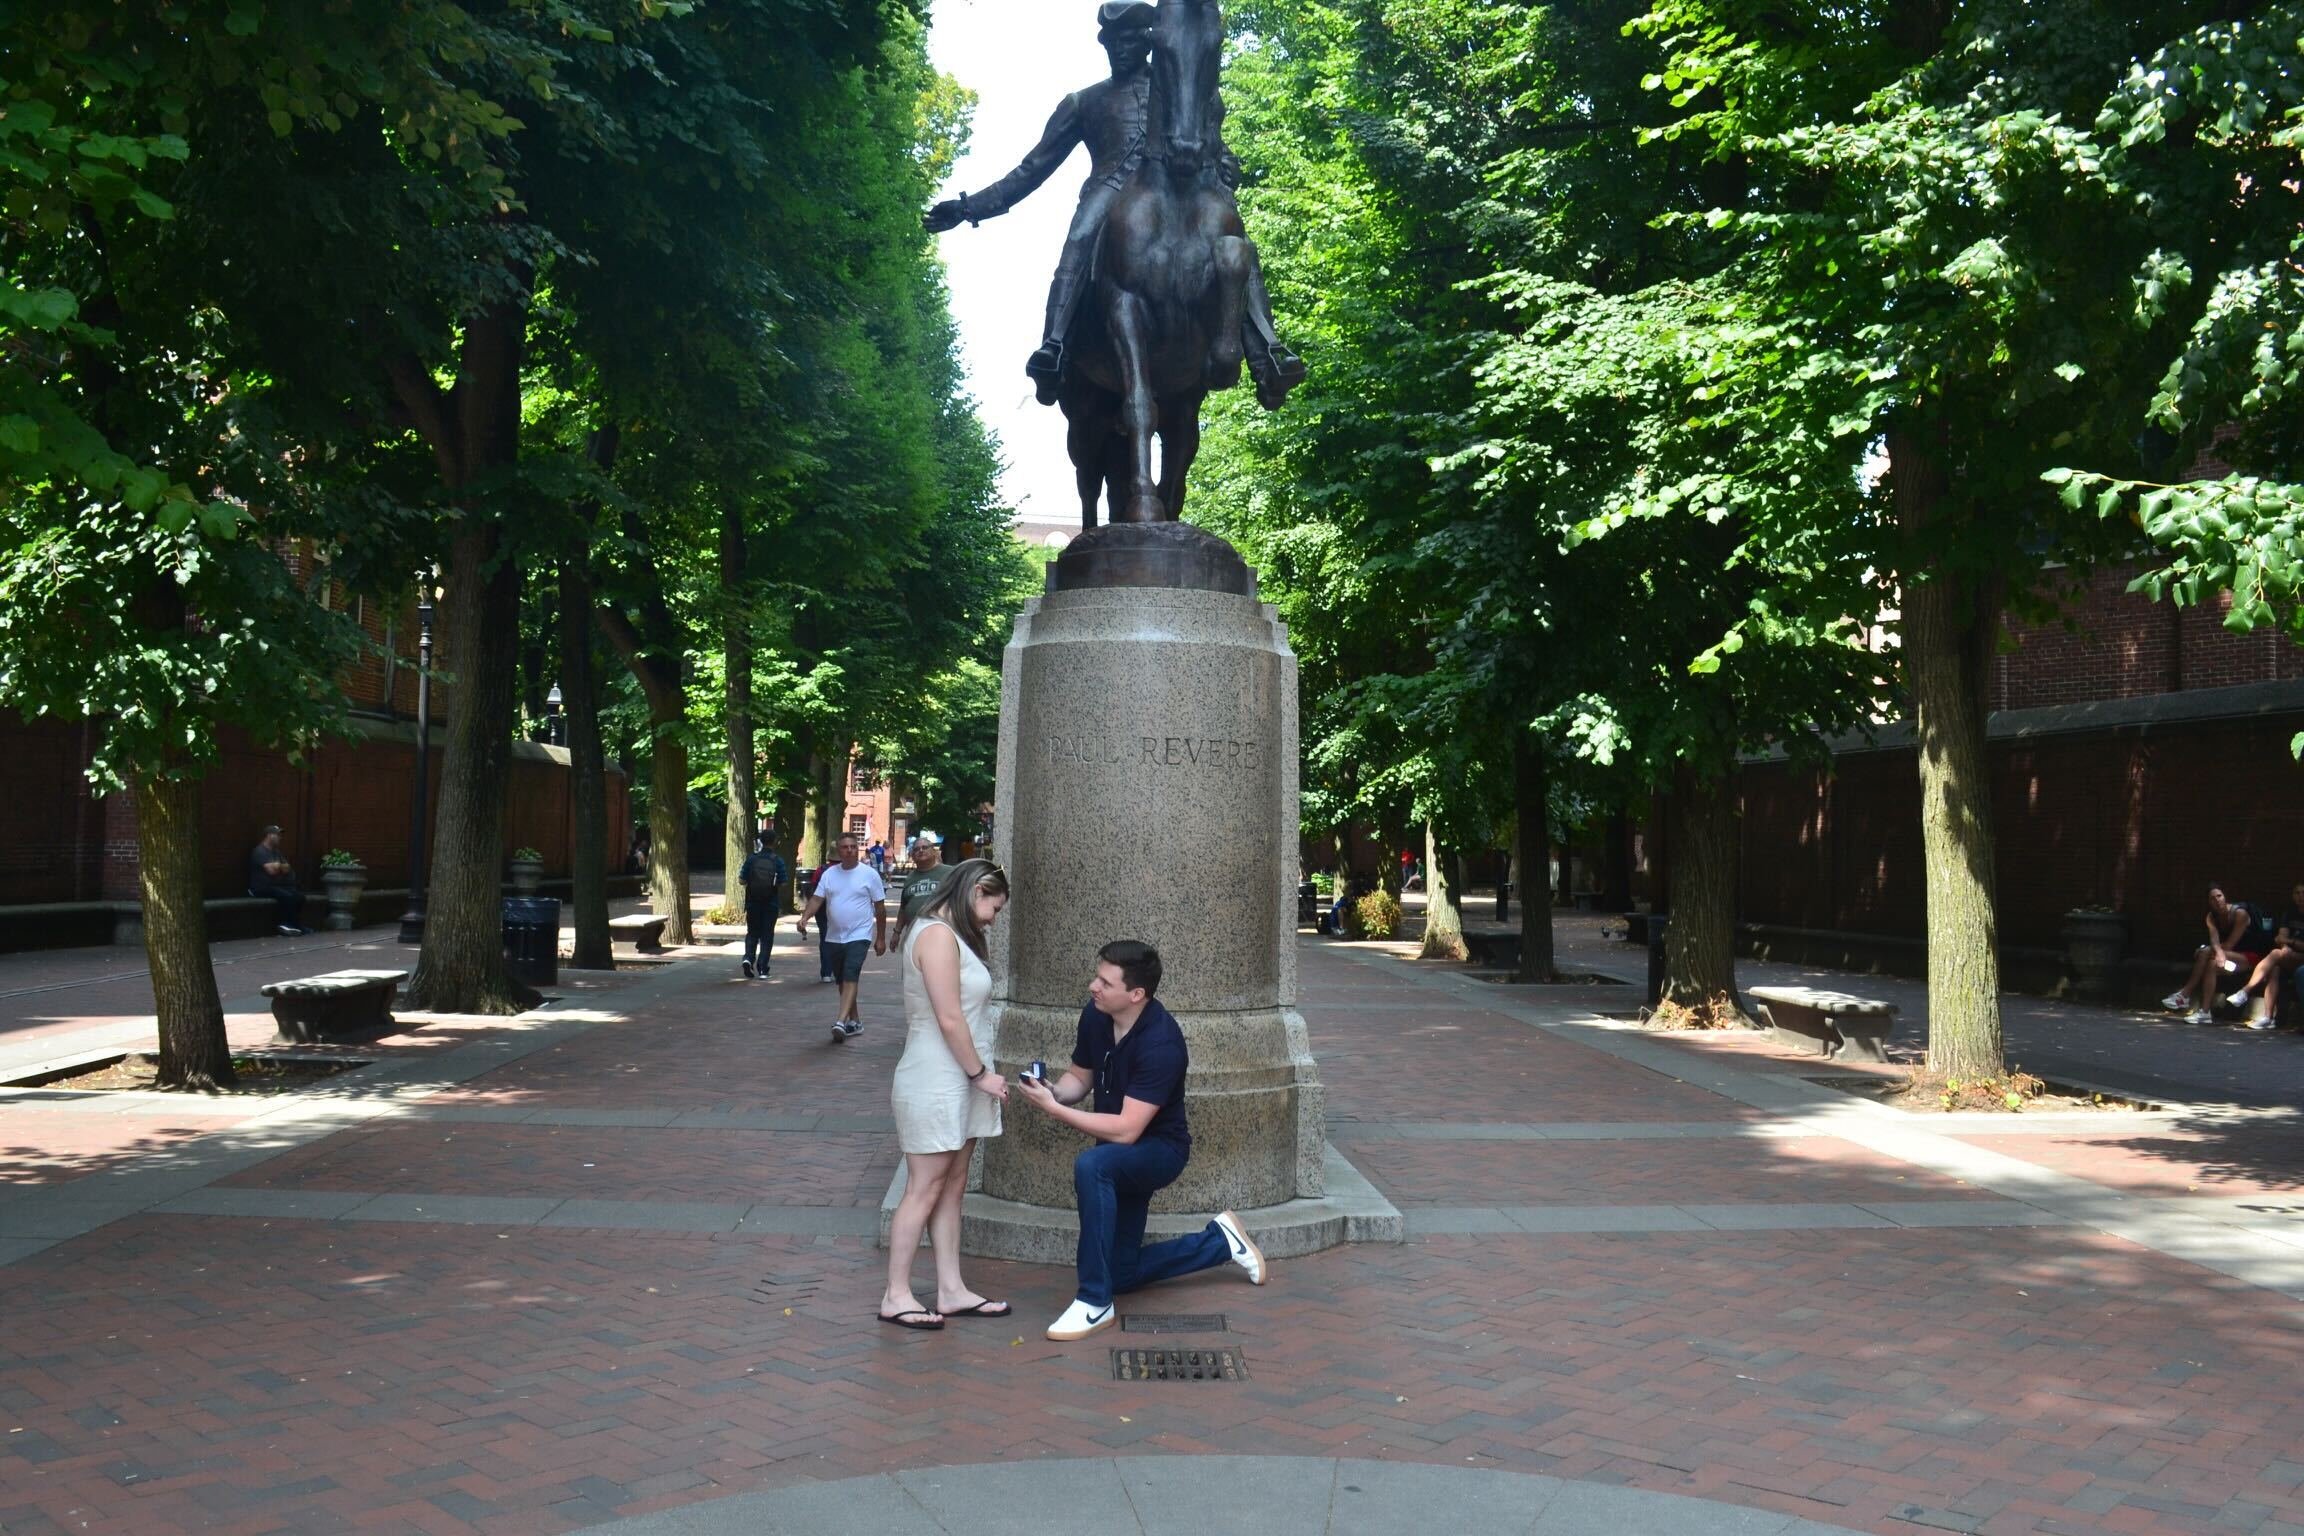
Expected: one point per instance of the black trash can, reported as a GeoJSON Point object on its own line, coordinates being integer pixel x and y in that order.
{"type": "Point", "coordinates": [532, 939]}
{"type": "Point", "coordinates": [1657, 923]}
{"type": "Point", "coordinates": [1503, 901]}
{"type": "Point", "coordinates": [1307, 904]}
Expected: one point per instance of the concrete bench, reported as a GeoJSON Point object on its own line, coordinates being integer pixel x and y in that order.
{"type": "Point", "coordinates": [642, 930]}
{"type": "Point", "coordinates": [1837, 1024]}
{"type": "Point", "coordinates": [341, 1005]}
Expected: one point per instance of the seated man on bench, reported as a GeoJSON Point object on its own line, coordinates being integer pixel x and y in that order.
{"type": "Point", "coordinates": [271, 875]}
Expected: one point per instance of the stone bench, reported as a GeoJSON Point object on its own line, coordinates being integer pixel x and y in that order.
{"type": "Point", "coordinates": [1490, 947]}
{"type": "Point", "coordinates": [1836, 1024]}
{"type": "Point", "coordinates": [643, 931]}
{"type": "Point", "coordinates": [341, 1005]}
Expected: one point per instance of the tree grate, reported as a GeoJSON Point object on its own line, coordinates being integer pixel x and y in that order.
{"type": "Point", "coordinates": [1174, 1322]}
{"type": "Point", "coordinates": [1179, 1365]}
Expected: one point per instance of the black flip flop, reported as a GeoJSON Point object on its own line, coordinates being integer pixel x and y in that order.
{"type": "Point", "coordinates": [981, 1309]}
{"type": "Point", "coordinates": [928, 1322]}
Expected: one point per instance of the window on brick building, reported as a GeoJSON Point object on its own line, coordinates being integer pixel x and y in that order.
{"type": "Point", "coordinates": [860, 825]}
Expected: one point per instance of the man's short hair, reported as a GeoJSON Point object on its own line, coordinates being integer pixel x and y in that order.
{"type": "Point", "coordinates": [1139, 964]}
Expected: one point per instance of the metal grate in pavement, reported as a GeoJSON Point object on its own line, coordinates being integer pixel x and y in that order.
{"type": "Point", "coordinates": [1179, 1365]}
{"type": "Point", "coordinates": [1174, 1322]}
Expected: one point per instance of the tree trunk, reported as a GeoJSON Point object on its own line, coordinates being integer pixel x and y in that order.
{"type": "Point", "coordinates": [462, 967]}
{"type": "Point", "coordinates": [1443, 922]}
{"type": "Point", "coordinates": [588, 775]}
{"type": "Point", "coordinates": [668, 830]}
{"type": "Point", "coordinates": [1616, 865]}
{"type": "Point", "coordinates": [832, 793]}
{"type": "Point", "coordinates": [1529, 791]}
{"type": "Point", "coordinates": [1700, 944]}
{"type": "Point", "coordinates": [791, 818]}
{"type": "Point", "coordinates": [736, 643]}
{"type": "Point", "coordinates": [1389, 871]}
{"type": "Point", "coordinates": [815, 841]}
{"type": "Point", "coordinates": [651, 649]}
{"type": "Point", "coordinates": [1950, 624]}
{"type": "Point", "coordinates": [473, 431]}
{"type": "Point", "coordinates": [193, 1050]}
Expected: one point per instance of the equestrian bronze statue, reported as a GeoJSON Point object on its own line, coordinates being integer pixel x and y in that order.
{"type": "Point", "coordinates": [1158, 298]}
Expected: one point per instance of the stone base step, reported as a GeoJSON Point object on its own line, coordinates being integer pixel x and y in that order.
{"type": "Point", "coordinates": [1352, 1211]}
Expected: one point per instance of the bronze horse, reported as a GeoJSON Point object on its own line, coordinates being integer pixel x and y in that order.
{"type": "Point", "coordinates": [1162, 325]}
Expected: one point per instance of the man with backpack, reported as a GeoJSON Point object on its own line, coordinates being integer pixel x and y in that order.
{"type": "Point", "coordinates": [762, 880]}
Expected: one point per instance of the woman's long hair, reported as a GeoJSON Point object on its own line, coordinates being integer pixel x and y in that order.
{"type": "Point", "coordinates": [955, 902]}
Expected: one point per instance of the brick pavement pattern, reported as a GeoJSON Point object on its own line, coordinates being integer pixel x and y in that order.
{"type": "Point", "coordinates": [262, 1376]}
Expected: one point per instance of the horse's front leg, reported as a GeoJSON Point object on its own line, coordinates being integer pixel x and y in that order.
{"type": "Point", "coordinates": [1088, 436]}
{"type": "Point", "coordinates": [1131, 336]}
{"type": "Point", "coordinates": [1179, 446]}
{"type": "Point", "coordinates": [1235, 259]}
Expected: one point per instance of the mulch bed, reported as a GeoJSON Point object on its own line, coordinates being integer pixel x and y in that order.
{"type": "Point", "coordinates": [1559, 979]}
{"type": "Point", "coordinates": [257, 1075]}
{"type": "Point", "coordinates": [1900, 1091]}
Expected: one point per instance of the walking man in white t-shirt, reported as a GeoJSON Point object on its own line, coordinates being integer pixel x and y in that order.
{"type": "Point", "coordinates": [855, 907]}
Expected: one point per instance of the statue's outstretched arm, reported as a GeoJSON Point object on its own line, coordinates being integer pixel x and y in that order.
{"type": "Point", "coordinates": [1057, 141]}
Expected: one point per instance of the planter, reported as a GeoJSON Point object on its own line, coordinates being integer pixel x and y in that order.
{"type": "Point", "coordinates": [2095, 943]}
{"type": "Point", "coordinates": [527, 876]}
{"type": "Point", "coordinates": [343, 884]}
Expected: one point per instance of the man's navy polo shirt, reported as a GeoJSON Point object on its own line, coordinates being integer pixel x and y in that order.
{"type": "Point", "coordinates": [1149, 1064]}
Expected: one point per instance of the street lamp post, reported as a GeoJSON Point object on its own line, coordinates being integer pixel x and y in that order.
{"type": "Point", "coordinates": [412, 920]}
{"type": "Point", "coordinates": [555, 718]}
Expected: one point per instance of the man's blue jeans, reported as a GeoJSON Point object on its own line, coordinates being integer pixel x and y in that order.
{"type": "Point", "coordinates": [1115, 1185]}
{"type": "Point", "coordinates": [759, 934]}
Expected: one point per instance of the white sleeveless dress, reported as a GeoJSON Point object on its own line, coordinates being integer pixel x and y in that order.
{"type": "Point", "coordinates": [936, 1108]}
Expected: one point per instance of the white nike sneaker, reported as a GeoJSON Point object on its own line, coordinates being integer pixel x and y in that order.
{"type": "Point", "coordinates": [1245, 1253]}
{"type": "Point", "coordinates": [2238, 999]}
{"type": "Point", "coordinates": [1080, 1320]}
{"type": "Point", "coordinates": [2175, 1002]}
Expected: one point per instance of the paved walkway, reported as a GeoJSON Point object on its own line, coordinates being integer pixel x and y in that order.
{"type": "Point", "coordinates": [612, 1261]}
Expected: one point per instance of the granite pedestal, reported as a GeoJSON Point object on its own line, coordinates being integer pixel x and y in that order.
{"type": "Point", "coordinates": [1147, 790]}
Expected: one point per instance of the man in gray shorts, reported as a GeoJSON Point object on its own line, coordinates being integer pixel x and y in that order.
{"type": "Point", "coordinates": [855, 907]}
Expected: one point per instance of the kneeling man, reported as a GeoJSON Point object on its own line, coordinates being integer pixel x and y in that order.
{"type": "Point", "coordinates": [1129, 1059]}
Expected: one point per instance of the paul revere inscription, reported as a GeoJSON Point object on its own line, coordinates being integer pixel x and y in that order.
{"type": "Point", "coordinates": [1214, 753]}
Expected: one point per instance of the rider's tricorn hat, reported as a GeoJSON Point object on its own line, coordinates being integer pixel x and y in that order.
{"type": "Point", "coordinates": [1116, 18]}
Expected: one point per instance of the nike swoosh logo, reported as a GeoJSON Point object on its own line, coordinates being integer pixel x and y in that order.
{"type": "Point", "coordinates": [1097, 1317]}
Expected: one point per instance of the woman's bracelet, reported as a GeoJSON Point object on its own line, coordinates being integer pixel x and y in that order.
{"type": "Point", "coordinates": [980, 1071]}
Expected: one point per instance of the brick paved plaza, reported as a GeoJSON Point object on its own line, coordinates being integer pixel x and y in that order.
{"type": "Point", "coordinates": [614, 1258]}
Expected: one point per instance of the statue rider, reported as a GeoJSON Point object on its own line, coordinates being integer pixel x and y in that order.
{"type": "Point", "coordinates": [1109, 117]}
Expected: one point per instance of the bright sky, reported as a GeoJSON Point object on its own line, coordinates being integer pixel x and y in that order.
{"type": "Point", "coordinates": [1021, 57]}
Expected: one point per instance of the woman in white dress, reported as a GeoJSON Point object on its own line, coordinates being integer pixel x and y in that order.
{"type": "Point", "coordinates": [945, 1093]}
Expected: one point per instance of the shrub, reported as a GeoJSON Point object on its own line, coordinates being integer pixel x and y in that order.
{"type": "Point", "coordinates": [337, 858]}
{"type": "Point", "coordinates": [526, 856]}
{"type": "Point", "coordinates": [1375, 916]}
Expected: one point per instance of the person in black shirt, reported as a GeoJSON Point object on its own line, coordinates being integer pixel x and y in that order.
{"type": "Point", "coordinates": [762, 881]}
{"type": "Point", "coordinates": [1130, 1060]}
{"type": "Point", "coordinates": [2286, 953]}
{"type": "Point", "coordinates": [2237, 938]}
{"type": "Point", "coordinates": [270, 874]}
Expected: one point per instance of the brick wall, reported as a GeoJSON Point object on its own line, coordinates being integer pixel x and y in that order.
{"type": "Point", "coordinates": [60, 851]}
{"type": "Point", "coordinates": [2139, 819]}
{"type": "Point", "coordinates": [63, 845]}
{"type": "Point", "coordinates": [2114, 644]}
